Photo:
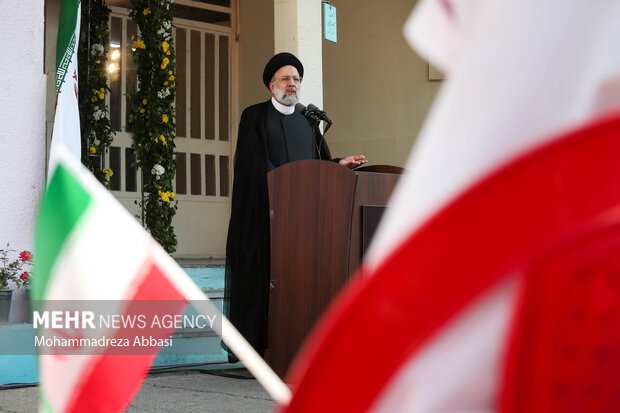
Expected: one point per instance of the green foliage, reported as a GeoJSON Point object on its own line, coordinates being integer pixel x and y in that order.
{"type": "Point", "coordinates": [153, 115]}
{"type": "Point", "coordinates": [93, 86]}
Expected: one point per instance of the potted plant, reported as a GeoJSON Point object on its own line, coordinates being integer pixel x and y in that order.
{"type": "Point", "coordinates": [12, 270]}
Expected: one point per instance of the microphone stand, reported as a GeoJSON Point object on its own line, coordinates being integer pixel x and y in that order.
{"type": "Point", "coordinates": [315, 130]}
{"type": "Point", "coordinates": [329, 124]}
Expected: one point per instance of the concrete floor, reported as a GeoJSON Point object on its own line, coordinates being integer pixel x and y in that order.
{"type": "Point", "coordinates": [219, 391]}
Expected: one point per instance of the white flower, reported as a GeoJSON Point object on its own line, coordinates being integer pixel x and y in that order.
{"type": "Point", "coordinates": [96, 49]}
{"type": "Point", "coordinates": [97, 114]}
{"type": "Point", "coordinates": [157, 170]}
{"type": "Point", "coordinates": [165, 31]}
{"type": "Point", "coordinates": [163, 93]}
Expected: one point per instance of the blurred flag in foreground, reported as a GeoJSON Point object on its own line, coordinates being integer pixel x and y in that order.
{"type": "Point", "coordinates": [89, 249]}
{"type": "Point", "coordinates": [67, 117]}
{"type": "Point", "coordinates": [497, 183]}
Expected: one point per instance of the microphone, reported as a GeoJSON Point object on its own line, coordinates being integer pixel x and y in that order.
{"type": "Point", "coordinates": [319, 113]}
{"type": "Point", "coordinates": [315, 117]}
{"type": "Point", "coordinates": [307, 112]}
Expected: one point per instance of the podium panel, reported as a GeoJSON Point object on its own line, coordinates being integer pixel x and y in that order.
{"type": "Point", "coordinates": [310, 218]}
{"type": "Point", "coordinates": [316, 244]}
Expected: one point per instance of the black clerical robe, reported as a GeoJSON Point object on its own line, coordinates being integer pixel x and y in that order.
{"type": "Point", "coordinates": [267, 139]}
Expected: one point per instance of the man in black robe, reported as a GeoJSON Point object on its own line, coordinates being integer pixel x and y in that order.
{"type": "Point", "coordinates": [271, 134]}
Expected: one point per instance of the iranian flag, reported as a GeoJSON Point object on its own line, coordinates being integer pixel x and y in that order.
{"type": "Point", "coordinates": [67, 117]}
{"type": "Point", "coordinates": [492, 283]}
{"type": "Point", "coordinates": [89, 249]}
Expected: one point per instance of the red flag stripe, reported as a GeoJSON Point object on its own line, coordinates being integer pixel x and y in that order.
{"type": "Point", "coordinates": [522, 212]}
{"type": "Point", "coordinates": [114, 379]}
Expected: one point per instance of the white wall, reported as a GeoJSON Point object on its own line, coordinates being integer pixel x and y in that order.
{"type": "Point", "coordinates": [297, 29]}
{"type": "Point", "coordinates": [22, 120]}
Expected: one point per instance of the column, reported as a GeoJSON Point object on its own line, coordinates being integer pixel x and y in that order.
{"type": "Point", "coordinates": [298, 30]}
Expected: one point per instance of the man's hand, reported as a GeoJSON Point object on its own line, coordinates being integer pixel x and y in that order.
{"type": "Point", "coordinates": [353, 162]}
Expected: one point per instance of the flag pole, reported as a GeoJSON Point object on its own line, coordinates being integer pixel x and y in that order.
{"type": "Point", "coordinates": [255, 364]}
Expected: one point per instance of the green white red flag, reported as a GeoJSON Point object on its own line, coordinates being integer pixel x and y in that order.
{"type": "Point", "coordinates": [88, 247]}
{"type": "Point", "coordinates": [67, 117]}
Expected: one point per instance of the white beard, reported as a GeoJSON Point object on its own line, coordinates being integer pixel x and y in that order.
{"type": "Point", "coordinates": [287, 100]}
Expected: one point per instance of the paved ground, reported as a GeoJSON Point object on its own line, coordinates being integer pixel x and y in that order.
{"type": "Point", "coordinates": [222, 391]}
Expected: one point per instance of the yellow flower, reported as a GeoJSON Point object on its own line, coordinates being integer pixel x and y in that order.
{"type": "Point", "coordinates": [169, 72]}
{"type": "Point", "coordinates": [144, 101]}
{"type": "Point", "coordinates": [110, 172]}
{"type": "Point", "coordinates": [166, 196]}
{"type": "Point", "coordinates": [164, 118]}
{"type": "Point", "coordinates": [146, 11]}
{"type": "Point", "coordinates": [142, 110]}
{"type": "Point", "coordinates": [93, 150]}
{"type": "Point", "coordinates": [102, 90]}
{"type": "Point", "coordinates": [165, 62]}
{"type": "Point", "coordinates": [138, 45]}
{"type": "Point", "coordinates": [168, 52]}
{"type": "Point", "coordinates": [171, 78]}
{"type": "Point", "coordinates": [161, 139]}
{"type": "Point", "coordinates": [101, 95]}
{"type": "Point", "coordinates": [166, 83]}
{"type": "Point", "coordinates": [93, 99]}
{"type": "Point", "coordinates": [165, 45]}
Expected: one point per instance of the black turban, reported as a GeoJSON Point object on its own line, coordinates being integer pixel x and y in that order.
{"type": "Point", "coordinates": [279, 60]}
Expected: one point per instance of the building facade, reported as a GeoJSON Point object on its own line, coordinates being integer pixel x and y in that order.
{"type": "Point", "coordinates": [374, 87]}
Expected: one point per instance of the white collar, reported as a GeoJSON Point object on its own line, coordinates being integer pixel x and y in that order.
{"type": "Point", "coordinates": [283, 109]}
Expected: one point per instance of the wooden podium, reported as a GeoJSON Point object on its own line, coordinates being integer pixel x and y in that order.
{"type": "Point", "coordinates": [317, 237]}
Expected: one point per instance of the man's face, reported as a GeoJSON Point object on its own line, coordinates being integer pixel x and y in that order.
{"type": "Point", "coordinates": [285, 85]}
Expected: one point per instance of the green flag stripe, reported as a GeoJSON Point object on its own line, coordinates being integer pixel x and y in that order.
{"type": "Point", "coordinates": [44, 404]}
{"type": "Point", "coordinates": [65, 201]}
{"type": "Point", "coordinates": [66, 42]}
